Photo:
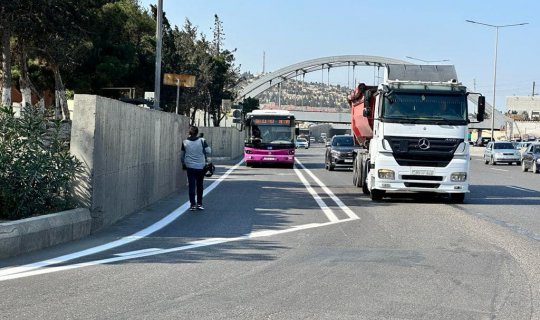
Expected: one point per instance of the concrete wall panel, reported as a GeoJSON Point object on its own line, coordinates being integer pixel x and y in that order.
{"type": "Point", "coordinates": [131, 156]}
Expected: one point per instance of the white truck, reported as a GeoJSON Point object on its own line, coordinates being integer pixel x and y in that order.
{"type": "Point", "coordinates": [412, 130]}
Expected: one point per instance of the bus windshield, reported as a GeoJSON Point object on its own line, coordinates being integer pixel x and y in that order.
{"type": "Point", "coordinates": [432, 107]}
{"type": "Point", "coordinates": [272, 134]}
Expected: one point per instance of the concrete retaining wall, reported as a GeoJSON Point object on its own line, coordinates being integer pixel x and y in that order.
{"type": "Point", "coordinates": [226, 143]}
{"type": "Point", "coordinates": [130, 155]}
{"type": "Point", "coordinates": [22, 236]}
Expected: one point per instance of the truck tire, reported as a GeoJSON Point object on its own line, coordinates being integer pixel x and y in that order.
{"type": "Point", "coordinates": [457, 197]}
{"type": "Point", "coordinates": [357, 181]}
{"type": "Point", "coordinates": [376, 194]}
{"type": "Point", "coordinates": [365, 167]}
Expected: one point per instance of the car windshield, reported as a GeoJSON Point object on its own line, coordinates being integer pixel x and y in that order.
{"type": "Point", "coordinates": [503, 146]}
{"type": "Point", "coordinates": [342, 142]}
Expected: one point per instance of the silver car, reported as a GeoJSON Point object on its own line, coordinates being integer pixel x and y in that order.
{"type": "Point", "coordinates": [501, 152]}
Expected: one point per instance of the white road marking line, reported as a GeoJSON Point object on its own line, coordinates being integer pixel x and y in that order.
{"type": "Point", "coordinates": [338, 201]}
{"type": "Point", "coordinates": [130, 253]}
{"type": "Point", "coordinates": [327, 211]}
{"type": "Point", "coordinates": [499, 169]}
{"type": "Point", "coordinates": [191, 245]}
{"type": "Point", "coordinates": [522, 189]}
{"type": "Point", "coordinates": [37, 268]}
{"type": "Point", "coordinates": [120, 242]}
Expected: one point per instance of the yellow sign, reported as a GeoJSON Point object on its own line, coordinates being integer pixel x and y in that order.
{"type": "Point", "coordinates": [182, 80]}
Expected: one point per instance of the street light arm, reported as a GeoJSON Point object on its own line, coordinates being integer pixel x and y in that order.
{"type": "Point", "coordinates": [498, 26]}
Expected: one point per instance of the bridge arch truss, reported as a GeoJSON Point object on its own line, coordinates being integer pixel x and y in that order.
{"type": "Point", "coordinates": [300, 69]}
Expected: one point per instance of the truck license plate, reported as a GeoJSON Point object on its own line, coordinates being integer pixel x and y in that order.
{"type": "Point", "coordinates": [422, 172]}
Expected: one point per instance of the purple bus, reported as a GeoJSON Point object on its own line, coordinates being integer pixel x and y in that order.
{"type": "Point", "coordinates": [270, 137]}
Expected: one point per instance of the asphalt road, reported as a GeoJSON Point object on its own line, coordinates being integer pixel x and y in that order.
{"type": "Point", "coordinates": [276, 243]}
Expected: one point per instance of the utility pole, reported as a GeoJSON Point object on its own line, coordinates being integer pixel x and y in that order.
{"type": "Point", "coordinates": [157, 78]}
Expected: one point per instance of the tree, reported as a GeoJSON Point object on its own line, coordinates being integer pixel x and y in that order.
{"type": "Point", "coordinates": [249, 104]}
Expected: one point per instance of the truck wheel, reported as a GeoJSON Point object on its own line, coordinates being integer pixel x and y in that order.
{"type": "Point", "coordinates": [365, 189]}
{"type": "Point", "coordinates": [364, 169]}
{"type": "Point", "coordinates": [376, 194]}
{"type": "Point", "coordinates": [357, 180]}
{"type": "Point", "coordinates": [457, 197]}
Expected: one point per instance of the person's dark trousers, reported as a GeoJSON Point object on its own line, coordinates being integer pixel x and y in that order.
{"type": "Point", "coordinates": [195, 181]}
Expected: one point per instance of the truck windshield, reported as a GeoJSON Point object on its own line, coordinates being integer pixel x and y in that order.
{"type": "Point", "coordinates": [409, 106]}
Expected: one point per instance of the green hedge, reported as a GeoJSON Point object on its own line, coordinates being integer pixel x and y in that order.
{"type": "Point", "coordinates": [36, 168]}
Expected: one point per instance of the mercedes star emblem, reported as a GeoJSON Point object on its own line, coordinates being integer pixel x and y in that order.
{"type": "Point", "coordinates": [423, 144]}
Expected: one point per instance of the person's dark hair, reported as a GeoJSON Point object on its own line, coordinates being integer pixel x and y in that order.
{"type": "Point", "coordinates": [201, 135]}
{"type": "Point", "coordinates": [193, 131]}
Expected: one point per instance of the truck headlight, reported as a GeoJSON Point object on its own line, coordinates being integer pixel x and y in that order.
{"type": "Point", "coordinates": [458, 177]}
{"type": "Point", "coordinates": [386, 174]}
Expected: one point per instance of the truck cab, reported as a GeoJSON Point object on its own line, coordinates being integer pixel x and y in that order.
{"type": "Point", "coordinates": [413, 128]}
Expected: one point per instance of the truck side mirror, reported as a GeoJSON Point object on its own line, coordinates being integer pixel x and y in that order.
{"type": "Point", "coordinates": [481, 108]}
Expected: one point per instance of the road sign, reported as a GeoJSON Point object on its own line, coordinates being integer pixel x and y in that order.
{"type": "Point", "coordinates": [181, 80]}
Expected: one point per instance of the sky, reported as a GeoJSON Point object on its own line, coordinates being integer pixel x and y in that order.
{"type": "Point", "coordinates": [292, 31]}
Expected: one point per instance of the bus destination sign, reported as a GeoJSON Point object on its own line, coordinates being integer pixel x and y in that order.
{"type": "Point", "coordinates": [269, 121]}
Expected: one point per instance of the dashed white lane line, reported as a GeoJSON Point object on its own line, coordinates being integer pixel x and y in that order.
{"type": "Point", "coordinates": [504, 170]}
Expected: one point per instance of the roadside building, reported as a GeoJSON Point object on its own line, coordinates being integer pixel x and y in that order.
{"type": "Point", "coordinates": [524, 107]}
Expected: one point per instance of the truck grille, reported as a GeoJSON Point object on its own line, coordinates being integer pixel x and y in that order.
{"type": "Point", "coordinates": [421, 185]}
{"type": "Point", "coordinates": [425, 178]}
{"type": "Point", "coordinates": [423, 152]}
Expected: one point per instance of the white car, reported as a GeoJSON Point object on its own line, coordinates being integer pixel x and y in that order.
{"type": "Point", "coordinates": [522, 146]}
{"type": "Point", "coordinates": [302, 143]}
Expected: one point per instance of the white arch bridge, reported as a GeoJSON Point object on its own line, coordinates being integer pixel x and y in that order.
{"type": "Point", "coordinates": [300, 69]}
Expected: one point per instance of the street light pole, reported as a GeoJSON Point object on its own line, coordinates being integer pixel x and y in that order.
{"type": "Point", "coordinates": [495, 66]}
{"type": "Point", "coordinates": [427, 61]}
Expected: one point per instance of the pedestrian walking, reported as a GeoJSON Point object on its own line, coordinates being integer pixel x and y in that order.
{"type": "Point", "coordinates": [194, 157]}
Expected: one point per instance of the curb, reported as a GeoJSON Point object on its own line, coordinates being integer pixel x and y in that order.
{"type": "Point", "coordinates": [26, 235]}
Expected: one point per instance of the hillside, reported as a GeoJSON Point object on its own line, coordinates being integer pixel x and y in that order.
{"type": "Point", "coordinates": [306, 95]}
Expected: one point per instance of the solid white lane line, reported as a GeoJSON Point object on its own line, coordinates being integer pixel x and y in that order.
{"type": "Point", "coordinates": [120, 242]}
{"type": "Point", "coordinates": [338, 201]}
{"type": "Point", "coordinates": [504, 170]}
{"type": "Point", "coordinates": [327, 211]}
{"type": "Point", "coordinates": [191, 245]}
{"type": "Point", "coordinates": [130, 253]}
